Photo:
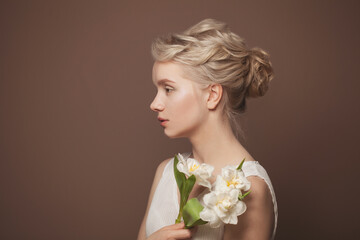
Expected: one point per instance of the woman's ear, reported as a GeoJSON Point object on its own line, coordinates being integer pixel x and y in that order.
{"type": "Point", "coordinates": [215, 94]}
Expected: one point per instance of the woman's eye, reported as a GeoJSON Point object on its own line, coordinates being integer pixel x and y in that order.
{"type": "Point", "coordinates": [168, 89]}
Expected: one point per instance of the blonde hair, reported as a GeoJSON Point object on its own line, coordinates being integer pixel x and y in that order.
{"type": "Point", "coordinates": [211, 53]}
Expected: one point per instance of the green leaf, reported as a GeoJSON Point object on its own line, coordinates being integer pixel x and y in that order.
{"type": "Point", "coordinates": [189, 184]}
{"type": "Point", "coordinates": [180, 181]}
{"type": "Point", "coordinates": [179, 176]}
{"type": "Point", "coordinates": [244, 195]}
{"type": "Point", "coordinates": [191, 213]}
{"type": "Point", "coordinates": [241, 164]}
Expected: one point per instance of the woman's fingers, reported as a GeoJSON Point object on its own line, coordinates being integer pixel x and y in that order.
{"type": "Point", "coordinates": [175, 226]}
{"type": "Point", "coordinates": [173, 232]}
{"type": "Point", "coordinates": [193, 230]}
{"type": "Point", "coordinates": [180, 234]}
{"type": "Point", "coordinates": [177, 231]}
{"type": "Point", "coordinates": [179, 225]}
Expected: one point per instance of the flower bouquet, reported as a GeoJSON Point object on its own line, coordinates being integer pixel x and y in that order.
{"type": "Point", "coordinates": [223, 204]}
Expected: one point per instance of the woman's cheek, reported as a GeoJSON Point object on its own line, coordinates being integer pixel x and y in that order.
{"type": "Point", "coordinates": [187, 104]}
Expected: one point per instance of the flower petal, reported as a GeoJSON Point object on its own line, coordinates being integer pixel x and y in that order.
{"type": "Point", "coordinates": [181, 158]}
{"type": "Point", "coordinates": [239, 208]}
{"type": "Point", "coordinates": [221, 185]}
{"type": "Point", "coordinates": [234, 194]}
{"type": "Point", "coordinates": [219, 211]}
{"type": "Point", "coordinates": [210, 199]}
{"type": "Point", "coordinates": [207, 215]}
{"type": "Point", "coordinates": [182, 168]}
{"type": "Point", "coordinates": [216, 223]}
{"type": "Point", "coordinates": [233, 219]}
{"type": "Point", "coordinates": [204, 183]}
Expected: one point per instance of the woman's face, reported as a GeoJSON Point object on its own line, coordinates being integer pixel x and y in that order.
{"type": "Point", "coordinates": [179, 102]}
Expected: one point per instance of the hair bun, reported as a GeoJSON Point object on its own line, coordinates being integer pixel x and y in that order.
{"type": "Point", "coordinates": [260, 73]}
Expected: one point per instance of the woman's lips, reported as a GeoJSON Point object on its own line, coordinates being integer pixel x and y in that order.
{"type": "Point", "coordinates": [163, 122]}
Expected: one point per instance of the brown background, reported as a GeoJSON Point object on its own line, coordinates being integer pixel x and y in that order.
{"type": "Point", "coordinates": [79, 145]}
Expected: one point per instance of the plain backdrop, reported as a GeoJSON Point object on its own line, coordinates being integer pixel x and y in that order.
{"type": "Point", "coordinates": [79, 145]}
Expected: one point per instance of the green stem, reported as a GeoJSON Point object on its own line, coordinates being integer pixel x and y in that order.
{"type": "Point", "coordinates": [178, 220]}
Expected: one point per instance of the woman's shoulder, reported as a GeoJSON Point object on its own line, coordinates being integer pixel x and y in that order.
{"type": "Point", "coordinates": [254, 168]}
{"type": "Point", "coordinates": [261, 187]}
{"type": "Point", "coordinates": [161, 167]}
{"type": "Point", "coordinates": [259, 211]}
{"type": "Point", "coordinates": [259, 190]}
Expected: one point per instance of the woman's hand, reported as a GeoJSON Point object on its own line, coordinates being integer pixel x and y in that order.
{"type": "Point", "coordinates": [173, 232]}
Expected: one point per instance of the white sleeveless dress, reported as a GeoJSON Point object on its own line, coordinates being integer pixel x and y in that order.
{"type": "Point", "coordinates": [164, 207]}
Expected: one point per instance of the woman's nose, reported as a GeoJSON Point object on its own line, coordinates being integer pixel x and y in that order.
{"type": "Point", "coordinates": [156, 105]}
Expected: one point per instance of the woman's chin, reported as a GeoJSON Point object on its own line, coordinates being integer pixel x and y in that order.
{"type": "Point", "coordinates": [172, 135]}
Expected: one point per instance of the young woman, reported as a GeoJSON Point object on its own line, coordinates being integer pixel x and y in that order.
{"type": "Point", "coordinates": [203, 77]}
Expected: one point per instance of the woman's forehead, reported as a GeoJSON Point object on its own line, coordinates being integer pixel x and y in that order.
{"type": "Point", "coordinates": [168, 72]}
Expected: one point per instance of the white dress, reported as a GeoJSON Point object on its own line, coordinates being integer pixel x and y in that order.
{"type": "Point", "coordinates": [164, 207]}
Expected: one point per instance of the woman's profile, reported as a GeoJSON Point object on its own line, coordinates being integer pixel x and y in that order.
{"type": "Point", "coordinates": [204, 77]}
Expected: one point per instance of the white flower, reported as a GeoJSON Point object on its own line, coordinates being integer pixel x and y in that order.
{"type": "Point", "coordinates": [231, 178]}
{"type": "Point", "coordinates": [190, 166]}
{"type": "Point", "coordinates": [222, 207]}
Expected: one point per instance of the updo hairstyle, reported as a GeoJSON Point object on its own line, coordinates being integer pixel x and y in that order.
{"type": "Point", "coordinates": [211, 53]}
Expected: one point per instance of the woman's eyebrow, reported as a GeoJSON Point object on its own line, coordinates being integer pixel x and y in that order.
{"type": "Point", "coordinates": [162, 81]}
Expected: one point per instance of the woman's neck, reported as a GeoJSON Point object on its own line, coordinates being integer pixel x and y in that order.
{"type": "Point", "coordinates": [215, 144]}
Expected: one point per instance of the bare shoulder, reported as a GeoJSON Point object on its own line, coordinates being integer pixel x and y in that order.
{"type": "Point", "coordinates": [258, 220]}
{"type": "Point", "coordinates": [161, 166]}
{"type": "Point", "coordinates": [260, 191]}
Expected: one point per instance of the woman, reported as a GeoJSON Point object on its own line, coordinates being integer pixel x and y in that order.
{"type": "Point", "coordinates": [204, 77]}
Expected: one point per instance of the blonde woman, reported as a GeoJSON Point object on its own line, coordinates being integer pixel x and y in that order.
{"type": "Point", "coordinates": [204, 77]}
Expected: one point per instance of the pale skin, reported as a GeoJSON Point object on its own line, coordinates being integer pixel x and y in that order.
{"type": "Point", "coordinates": [193, 112]}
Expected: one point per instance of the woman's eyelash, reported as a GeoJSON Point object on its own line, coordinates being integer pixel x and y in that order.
{"type": "Point", "coordinates": [168, 89]}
